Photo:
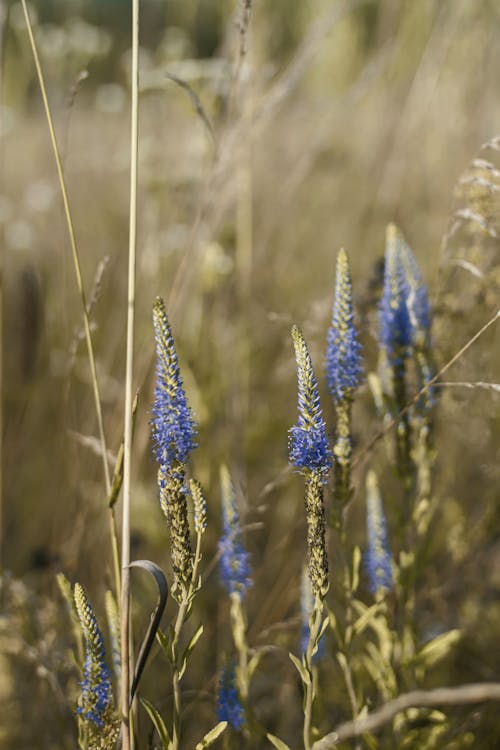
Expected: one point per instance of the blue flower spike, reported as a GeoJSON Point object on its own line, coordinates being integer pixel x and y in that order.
{"type": "Point", "coordinates": [344, 369]}
{"type": "Point", "coordinates": [395, 325]}
{"type": "Point", "coordinates": [395, 344]}
{"type": "Point", "coordinates": [308, 445]}
{"type": "Point", "coordinates": [229, 707]}
{"type": "Point", "coordinates": [96, 700]}
{"type": "Point", "coordinates": [378, 559]}
{"type": "Point", "coordinates": [309, 451]}
{"type": "Point", "coordinates": [235, 569]}
{"type": "Point", "coordinates": [174, 437]}
{"type": "Point", "coordinates": [174, 429]}
{"type": "Point", "coordinates": [420, 314]}
{"type": "Point", "coordinates": [344, 373]}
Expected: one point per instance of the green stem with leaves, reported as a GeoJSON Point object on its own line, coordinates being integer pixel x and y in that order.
{"type": "Point", "coordinates": [186, 602]}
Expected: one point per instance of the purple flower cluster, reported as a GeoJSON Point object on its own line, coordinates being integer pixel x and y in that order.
{"type": "Point", "coordinates": [344, 370]}
{"type": "Point", "coordinates": [229, 706]}
{"type": "Point", "coordinates": [174, 429]}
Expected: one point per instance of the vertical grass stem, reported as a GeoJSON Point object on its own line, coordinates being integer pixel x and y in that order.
{"type": "Point", "coordinates": [125, 592]}
{"type": "Point", "coordinates": [81, 288]}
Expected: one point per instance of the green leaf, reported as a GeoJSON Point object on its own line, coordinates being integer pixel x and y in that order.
{"type": "Point", "coordinates": [301, 669]}
{"type": "Point", "coordinates": [191, 644]}
{"type": "Point", "coordinates": [158, 723]}
{"type": "Point", "coordinates": [356, 562]}
{"type": "Point", "coordinates": [438, 648]}
{"type": "Point", "coordinates": [277, 742]}
{"type": "Point", "coordinates": [366, 618]}
{"type": "Point", "coordinates": [212, 735]}
{"type": "Point", "coordinates": [156, 615]}
{"type": "Point", "coordinates": [253, 664]}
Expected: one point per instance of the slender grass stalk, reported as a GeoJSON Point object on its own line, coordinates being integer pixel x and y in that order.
{"type": "Point", "coordinates": [127, 456]}
{"type": "Point", "coordinates": [3, 18]}
{"type": "Point", "coordinates": [81, 289]}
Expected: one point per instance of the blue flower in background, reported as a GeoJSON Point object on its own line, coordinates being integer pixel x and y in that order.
{"type": "Point", "coordinates": [344, 370]}
{"type": "Point", "coordinates": [229, 707]}
{"type": "Point", "coordinates": [395, 325]}
{"type": "Point", "coordinates": [235, 569]}
{"type": "Point", "coordinates": [417, 296]}
{"type": "Point", "coordinates": [378, 559]}
{"type": "Point", "coordinates": [174, 429]}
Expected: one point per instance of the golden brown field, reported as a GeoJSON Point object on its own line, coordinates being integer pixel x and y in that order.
{"type": "Point", "coordinates": [307, 132]}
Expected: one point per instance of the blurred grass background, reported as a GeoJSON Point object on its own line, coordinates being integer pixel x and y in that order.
{"type": "Point", "coordinates": [344, 116]}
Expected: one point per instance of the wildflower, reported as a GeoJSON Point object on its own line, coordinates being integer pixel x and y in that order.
{"type": "Point", "coordinates": [417, 296]}
{"type": "Point", "coordinates": [96, 697]}
{"type": "Point", "coordinates": [234, 565]}
{"type": "Point", "coordinates": [308, 450]}
{"type": "Point", "coordinates": [420, 320]}
{"type": "Point", "coordinates": [378, 558]}
{"type": "Point", "coordinates": [395, 325]}
{"type": "Point", "coordinates": [229, 705]}
{"type": "Point", "coordinates": [396, 340]}
{"type": "Point", "coordinates": [344, 372]}
{"type": "Point", "coordinates": [344, 369]}
{"type": "Point", "coordinates": [174, 435]}
{"type": "Point", "coordinates": [308, 444]}
{"type": "Point", "coordinates": [174, 429]}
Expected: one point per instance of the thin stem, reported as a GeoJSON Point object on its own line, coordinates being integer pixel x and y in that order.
{"type": "Point", "coordinates": [127, 450]}
{"type": "Point", "coordinates": [371, 443]}
{"type": "Point", "coordinates": [184, 607]}
{"type": "Point", "coordinates": [81, 289]}
{"type": "Point", "coordinates": [315, 628]}
{"type": "Point", "coordinates": [3, 18]}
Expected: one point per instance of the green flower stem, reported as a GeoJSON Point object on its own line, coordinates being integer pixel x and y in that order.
{"type": "Point", "coordinates": [315, 623]}
{"type": "Point", "coordinates": [185, 604]}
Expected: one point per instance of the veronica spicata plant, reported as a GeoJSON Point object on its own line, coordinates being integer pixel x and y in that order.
{"type": "Point", "coordinates": [344, 373]}
{"type": "Point", "coordinates": [310, 453]}
{"type": "Point", "coordinates": [174, 436]}
{"type": "Point", "coordinates": [100, 724]}
{"type": "Point", "coordinates": [395, 336]}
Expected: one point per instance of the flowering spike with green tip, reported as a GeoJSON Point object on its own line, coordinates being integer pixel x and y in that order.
{"type": "Point", "coordinates": [174, 429]}
{"type": "Point", "coordinates": [95, 704]}
{"type": "Point", "coordinates": [395, 325]}
{"type": "Point", "coordinates": [174, 436]}
{"type": "Point", "coordinates": [395, 343]}
{"type": "Point", "coordinates": [308, 445]}
{"type": "Point", "coordinates": [309, 451]}
{"type": "Point", "coordinates": [344, 370]}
